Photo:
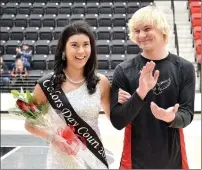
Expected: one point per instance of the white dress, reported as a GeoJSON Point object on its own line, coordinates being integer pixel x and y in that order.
{"type": "Point", "coordinates": [88, 108]}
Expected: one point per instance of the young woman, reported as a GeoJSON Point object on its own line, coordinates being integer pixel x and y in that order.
{"type": "Point", "coordinates": [19, 72]}
{"type": "Point", "coordinates": [75, 78]}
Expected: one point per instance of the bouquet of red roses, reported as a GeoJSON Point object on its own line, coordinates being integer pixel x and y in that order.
{"type": "Point", "coordinates": [27, 107]}
{"type": "Point", "coordinates": [38, 115]}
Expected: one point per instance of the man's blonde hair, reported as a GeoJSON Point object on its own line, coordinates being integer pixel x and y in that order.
{"type": "Point", "coordinates": [149, 15]}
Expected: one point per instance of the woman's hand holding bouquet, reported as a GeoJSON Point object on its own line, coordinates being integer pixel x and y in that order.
{"type": "Point", "coordinates": [61, 136]}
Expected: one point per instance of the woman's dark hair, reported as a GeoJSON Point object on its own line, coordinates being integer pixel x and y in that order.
{"type": "Point", "coordinates": [77, 27]}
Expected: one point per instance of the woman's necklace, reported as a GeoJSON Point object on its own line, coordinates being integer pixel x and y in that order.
{"type": "Point", "coordinates": [74, 82]}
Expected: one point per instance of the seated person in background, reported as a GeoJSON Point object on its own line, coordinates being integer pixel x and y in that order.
{"type": "Point", "coordinates": [19, 72]}
{"type": "Point", "coordinates": [4, 73]}
{"type": "Point", "coordinates": [26, 55]}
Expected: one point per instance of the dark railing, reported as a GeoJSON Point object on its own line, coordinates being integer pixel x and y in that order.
{"type": "Point", "coordinates": [176, 38]}
{"type": "Point", "coordinates": [175, 27]}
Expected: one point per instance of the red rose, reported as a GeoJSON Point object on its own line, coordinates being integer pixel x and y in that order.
{"type": "Point", "coordinates": [19, 103]}
{"type": "Point", "coordinates": [22, 105]}
{"type": "Point", "coordinates": [33, 107]}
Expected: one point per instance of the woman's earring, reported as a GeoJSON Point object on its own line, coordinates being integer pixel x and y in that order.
{"type": "Point", "coordinates": [63, 56]}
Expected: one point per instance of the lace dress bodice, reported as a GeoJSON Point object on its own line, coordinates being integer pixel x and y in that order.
{"type": "Point", "coordinates": [88, 108]}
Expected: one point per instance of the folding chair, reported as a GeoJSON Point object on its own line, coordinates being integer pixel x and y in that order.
{"type": "Point", "coordinates": [65, 8]}
{"type": "Point", "coordinates": [118, 47]}
{"type": "Point", "coordinates": [53, 45]}
{"type": "Point", "coordinates": [38, 8]}
{"type": "Point", "coordinates": [78, 8]}
{"type": "Point", "coordinates": [25, 8]}
{"type": "Point", "coordinates": [50, 61]}
{"type": "Point", "coordinates": [39, 62]}
{"type": "Point", "coordinates": [10, 46]}
{"type": "Point", "coordinates": [91, 19]}
{"type": "Point", "coordinates": [106, 8]}
{"type": "Point", "coordinates": [105, 20]}
{"type": "Point", "coordinates": [9, 59]}
{"type": "Point", "coordinates": [119, 20]}
{"type": "Point", "coordinates": [42, 47]}
{"type": "Point", "coordinates": [92, 8]}
{"type": "Point", "coordinates": [35, 20]}
{"type": "Point", "coordinates": [116, 59]}
{"type": "Point", "coordinates": [62, 20]}
{"type": "Point", "coordinates": [132, 48]}
{"type": "Point", "coordinates": [21, 20]}
{"type": "Point", "coordinates": [103, 47]}
{"type": "Point", "coordinates": [198, 47]}
{"type": "Point", "coordinates": [133, 7]}
{"type": "Point", "coordinates": [45, 33]}
{"type": "Point", "coordinates": [4, 33]}
{"type": "Point", "coordinates": [17, 33]}
{"type": "Point", "coordinates": [146, 3]}
{"type": "Point", "coordinates": [94, 29]}
{"type": "Point", "coordinates": [196, 19]}
{"type": "Point", "coordinates": [119, 33]}
{"type": "Point", "coordinates": [56, 32]}
{"type": "Point", "coordinates": [76, 17]}
{"type": "Point", "coordinates": [31, 33]}
{"type": "Point", "coordinates": [119, 8]}
{"type": "Point", "coordinates": [11, 8]}
{"type": "Point", "coordinates": [49, 20]}
{"type": "Point", "coordinates": [104, 33]}
{"type": "Point", "coordinates": [52, 8]}
{"type": "Point", "coordinates": [7, 20]}
{"type": "Point", "coordinates": [196, 33]}
{"type": "Point", "coordinates": [103, 61]}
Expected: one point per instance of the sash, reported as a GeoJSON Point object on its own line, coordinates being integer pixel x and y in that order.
{"type": "Point", "coordinates": [60, 104]}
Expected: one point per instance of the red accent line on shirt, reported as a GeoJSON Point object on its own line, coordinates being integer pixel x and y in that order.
{"type": "Point", "coordinates": [183, 150]}
{"type": "Point", "coordinates": [126, 162]}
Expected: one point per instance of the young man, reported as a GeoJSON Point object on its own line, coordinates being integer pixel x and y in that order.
{"type": "Point", "coordinates": [160, 91]}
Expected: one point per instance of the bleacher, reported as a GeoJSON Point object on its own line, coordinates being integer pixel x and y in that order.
{"type": "Point", "coordinates": [194, 7]}
{"type": "Point", "coordinates": [39, 23]}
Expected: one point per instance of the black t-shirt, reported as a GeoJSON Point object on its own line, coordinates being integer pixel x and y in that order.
{"type": "Point", "coordinates": [149, 142]}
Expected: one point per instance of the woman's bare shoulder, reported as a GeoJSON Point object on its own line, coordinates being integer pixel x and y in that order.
{"type": "Point", "coordinates": [39, 95]}
{"type": "Point", "coordinates": [103, 83]}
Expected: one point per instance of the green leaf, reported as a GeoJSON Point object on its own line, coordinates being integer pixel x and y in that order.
{"type": "Point", "coordinates": [15, 93]}
{"type": "Point", "coordinates": [22, 93]}
{"type": "Point", "coordinates": [29, 97]}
